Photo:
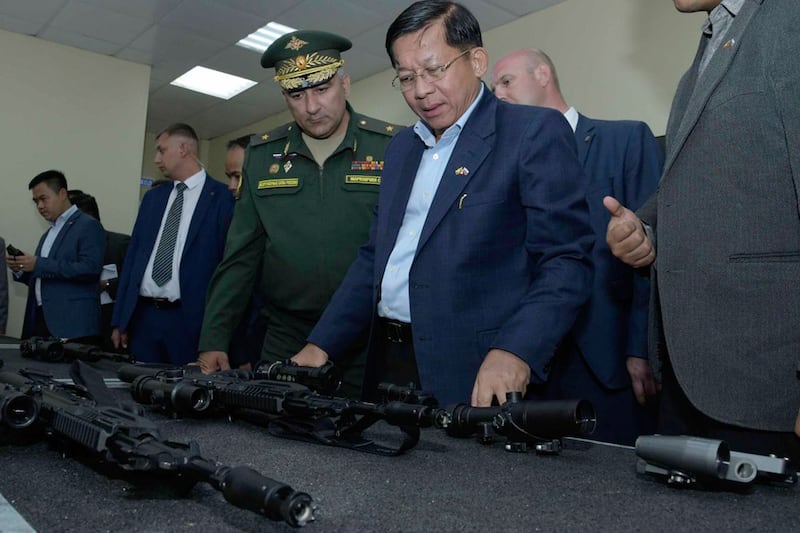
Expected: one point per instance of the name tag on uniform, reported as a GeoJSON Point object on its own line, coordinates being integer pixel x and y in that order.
{"type": "Point", "coordinates": [278, 183]}
{"type": "Point", "coordinates": [367, 180]}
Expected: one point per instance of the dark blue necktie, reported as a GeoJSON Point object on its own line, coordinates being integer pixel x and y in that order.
{"type": "Point", "coordinates": [162, 264]}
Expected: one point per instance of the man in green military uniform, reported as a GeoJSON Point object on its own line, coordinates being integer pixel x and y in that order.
{"type": "Point", "coordinates": [308, 192]}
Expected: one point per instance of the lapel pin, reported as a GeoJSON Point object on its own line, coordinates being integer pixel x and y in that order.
{"type": "Point", "coordinates": [729, 44]}
{"type": "Point", "coordinates": [462, 171]}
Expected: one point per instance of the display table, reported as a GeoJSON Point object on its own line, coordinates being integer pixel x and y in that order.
{"type": "Point", "coordinates": [444, 484]}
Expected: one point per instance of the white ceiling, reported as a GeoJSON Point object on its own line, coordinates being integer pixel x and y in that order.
{"type": "Point", "coordinates": [174, 35]}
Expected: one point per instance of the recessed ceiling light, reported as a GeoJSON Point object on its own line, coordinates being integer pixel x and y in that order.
{"type": "Point", "coordinates": [262, 38]}
{"type": "Point", "coordinates": [213, 82]}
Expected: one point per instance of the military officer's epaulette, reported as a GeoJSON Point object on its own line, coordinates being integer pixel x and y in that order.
{"type": "Point", "coordinates": [281, 132]}
{"type": "Point", "coordinates": [378, 126]}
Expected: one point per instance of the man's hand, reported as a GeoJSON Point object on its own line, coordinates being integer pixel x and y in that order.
{"type": "Point", "coordinates": [626, 236]}
{"type": "Point", "coordinates": [501, 372]}
{"type": "Point", "coordinates": [119, 339]}
{"type": "Point", "coordinates": [644, 386]}
{"type": "Point", "coordinates": [311, 355]}
{"type": "Point", "coordinates": [21, 263]}
{"type": "Point", "coordinates": [212, 361]}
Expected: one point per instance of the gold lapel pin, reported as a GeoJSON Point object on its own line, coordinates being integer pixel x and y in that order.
{"type": "Point", "coordinates": [462, 171]}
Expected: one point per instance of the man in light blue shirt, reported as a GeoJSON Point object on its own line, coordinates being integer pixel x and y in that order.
{"type": "Point", "coordinates": [479, 254]}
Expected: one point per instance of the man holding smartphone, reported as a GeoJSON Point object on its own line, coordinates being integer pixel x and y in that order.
{"type": "Point", "coordinates": [62, 276]}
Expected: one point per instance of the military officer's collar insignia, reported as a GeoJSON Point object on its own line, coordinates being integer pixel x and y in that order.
{"type": "Point", "coordinates": [389, 128]}
{"type": "Point", "coordinates": [295, 44]}
{"type": "Point", "coordinates": [265, 137]}
{"type": "Point", "coordinates": [273, 168]}
{"type": "Point", "coordinates": [462, 171]}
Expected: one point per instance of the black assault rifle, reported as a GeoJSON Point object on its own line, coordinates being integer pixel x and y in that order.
{"type": "Point", "coordinates": [54, 350]}
{"type": "Point", "coordinates": [118, 435]}
{"type": "Point", "coordinates": [294, 410]}
{"type": "Point", "coordinates": [287, 407]}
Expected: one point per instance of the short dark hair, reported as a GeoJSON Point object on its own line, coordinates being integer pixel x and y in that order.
{"type": "Point", "coordinates": [461, 27]}
{"type": "Point", "coordinates": [179, 128]}
{"type": "Point", "coordinates": [55, 179]}
{"type": "Point", "coordinates": [242, 142]}
{"type": "Point", "coordinates": [85, 202]}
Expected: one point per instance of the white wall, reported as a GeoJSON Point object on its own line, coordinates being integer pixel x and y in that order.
{"type": "Point", "coordinates": [616, 59]}
{"type": "Point", "coordinates": [75, 111]}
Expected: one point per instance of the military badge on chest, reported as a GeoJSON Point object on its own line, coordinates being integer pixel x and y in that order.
{"type": "Point", "coordinates": [367, 164]}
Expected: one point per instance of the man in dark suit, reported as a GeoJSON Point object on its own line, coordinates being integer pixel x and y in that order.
{"type": "Point", "coordinates": [479, 256]}
{"type": "Point", "coordinates": [721, 237]}
{"type": "Point", "coordinates": [63, 300]}
{"type": "Point", "coordinates": [175, 246]}
{"type": "Point", "coordinates": [116, 248]}
{"type": "Point", "coordinates": [604, 357]}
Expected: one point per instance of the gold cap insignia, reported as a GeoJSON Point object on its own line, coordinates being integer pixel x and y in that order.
{"type": "Point", "coordinates": [306, 70]}
{"type": "Point", "coordinates": [295, 43]}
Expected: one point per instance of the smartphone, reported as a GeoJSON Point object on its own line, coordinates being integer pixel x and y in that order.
{"type": "Point", "coordinates": [13, 252]}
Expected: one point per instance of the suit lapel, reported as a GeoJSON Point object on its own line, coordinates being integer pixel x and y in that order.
{"type": "Point", "coordinates": [61, 234]}
{"type": "Point", "coordinates": [584, 135]}
{"type": "Point", "coordinates": [470, 151]}
{"type": "Point", "coordinates": [695, 91]}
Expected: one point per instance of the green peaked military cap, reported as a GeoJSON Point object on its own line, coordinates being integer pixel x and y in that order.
{"type": "Point", "coordinates": [305, 58]}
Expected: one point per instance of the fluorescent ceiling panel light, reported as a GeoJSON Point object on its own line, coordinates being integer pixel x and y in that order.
{"type": "Point", "coordinates": [262, 38]}
{"type": "Point", "coordinates": [213, 82]}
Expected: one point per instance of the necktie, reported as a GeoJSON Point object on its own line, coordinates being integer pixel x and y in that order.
{"type": "Point", "coordinates": [162, 264]}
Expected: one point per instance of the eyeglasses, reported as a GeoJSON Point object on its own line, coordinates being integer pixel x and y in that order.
{"type": "Point", "coordinates": [407, 80]}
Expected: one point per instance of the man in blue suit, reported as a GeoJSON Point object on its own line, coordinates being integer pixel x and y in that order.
{"type": "Point", "coordinates": [63, 299]}
{"type": "Point", "coordinates": [177, 241]}
{"type": "Point", "coordinates": [479, 255]}
{"type": "Point", "coordinates": [604, 357]}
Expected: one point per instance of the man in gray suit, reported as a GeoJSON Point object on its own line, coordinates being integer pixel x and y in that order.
{"type": "Point", "coordinates": [721, 237]}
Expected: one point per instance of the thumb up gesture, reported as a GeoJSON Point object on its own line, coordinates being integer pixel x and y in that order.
{"type": "Point", "coordinates": [626, 236]}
